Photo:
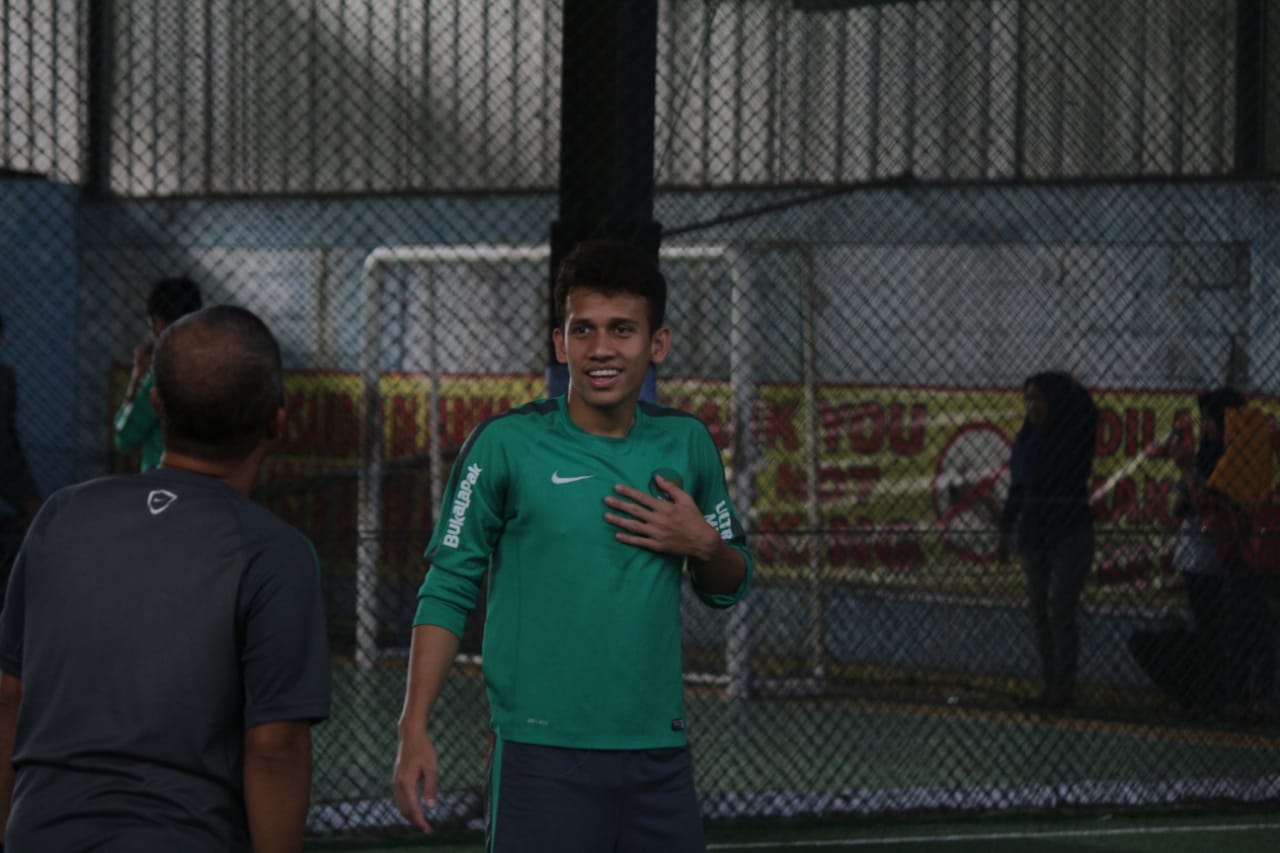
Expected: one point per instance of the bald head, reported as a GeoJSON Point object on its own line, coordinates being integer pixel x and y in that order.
{"type": "Point", "coordinates": [219, 383]}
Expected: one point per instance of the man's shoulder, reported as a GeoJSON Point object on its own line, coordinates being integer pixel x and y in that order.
{"type": "Point", "coordinates": [660, 410]}
{"type": "Point", "coordinates": [179, 494]}
{"type": "Point", "coordinates": [531, 412]}
{"type": "Point", "coordinates": [151, 493]}
{"type": "Point", "coordinates": [670, 418]}
{"type": "Point", "coordinates": [269, 527]}
{"type": "Point", "coordinates": [105, 484]}
{"type": "Point", "coordinates": [533, 415]}
{"type": "Point", "coordinates": [260, 531]}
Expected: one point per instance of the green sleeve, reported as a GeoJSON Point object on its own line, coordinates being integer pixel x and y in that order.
{"type": "Point", "coordinates": [136, 419]}
{"type": "Point", "coordinates": [466, 533]}
{"type": "Point", "coordinates": [717, 508]}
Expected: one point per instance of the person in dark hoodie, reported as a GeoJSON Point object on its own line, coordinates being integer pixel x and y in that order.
{"type": "Point", "coordinates": [1048, 511]}
{"type": "Point", "coordinates": [1203, 578]}
{"type": "Point", "coordinates": [18, 488]}
{"type": "Point", "coordinates": [1190, 662]}
{"type": "Point", "coordinates": [1235, 626]}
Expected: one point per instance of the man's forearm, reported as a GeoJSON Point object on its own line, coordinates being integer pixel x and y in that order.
{"type": "Point", "coordinates": [10, 700]}
{"type": "Point", "coordinates": [417, 769]}
{"type": "Point", "coordinates": [431, 654]}
{"type": "Point", "coordinates": [277, 785]}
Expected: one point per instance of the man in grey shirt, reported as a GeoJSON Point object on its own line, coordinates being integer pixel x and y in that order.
{"type": "Point", "coordinates": [162, 647]}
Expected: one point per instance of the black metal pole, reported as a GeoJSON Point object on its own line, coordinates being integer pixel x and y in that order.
{"type": "Point", "coordinates": [607, 96]}
{"type": "Point", "coordinates": [97, 149]}
{"type": "Point", "coordinates": [1251, 90]}
{"type": "Point", "coordinates": [636, 60]}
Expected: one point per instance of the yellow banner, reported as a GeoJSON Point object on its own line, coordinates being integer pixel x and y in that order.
{"type": "Point", "coordinates": [865, 479]}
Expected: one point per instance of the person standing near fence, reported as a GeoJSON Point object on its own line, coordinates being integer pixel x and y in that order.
{"type": "Point", "coordinates": [1189, 662]}
{"type": "Point", "coordinates": [1229, 502]}
{"type": "Point", "coordinates": [163, 650]}
{"type": "Point", "coordinates": [1202, 573]}
{"type": "Point", "coordinates": [17, 487]}
{"type": "Point", "coordinates": [584, 511]}
{"type": "Point", "coordinates": [1202, 576]}
{"type": "Point", "coordinates": [136, 425]}
{"type": "Point", "coordinates": [1055, 522]}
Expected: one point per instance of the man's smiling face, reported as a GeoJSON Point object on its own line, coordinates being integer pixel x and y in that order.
{"type": "Point", "coordinates": [608, 345]}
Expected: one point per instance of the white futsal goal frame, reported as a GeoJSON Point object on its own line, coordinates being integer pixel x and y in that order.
{"type": "Point", "coordinates": [375, 272]}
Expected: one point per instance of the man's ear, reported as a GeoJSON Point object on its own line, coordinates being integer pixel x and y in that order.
{"type": "Point", "coordinates": [660, 345]}
{"type": "Point", "coordinates": [557, 338]}
{"type": "Point", "coordinates": [154, 397]}
{"type": "Point", "coordinates": [275, 424]}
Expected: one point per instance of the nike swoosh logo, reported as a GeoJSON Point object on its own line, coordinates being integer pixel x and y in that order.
{"type": "Point", "coordinates": [560, 481]}
{"type": "Point", "coordinates": [158, 500]}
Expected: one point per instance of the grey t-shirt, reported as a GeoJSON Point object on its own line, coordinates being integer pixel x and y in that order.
{"type": "Point", "coordinates": [152, 619]}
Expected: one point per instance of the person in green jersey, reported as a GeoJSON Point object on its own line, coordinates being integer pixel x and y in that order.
{"type": "Point", "coordinates": [586, 511]}
{"type": "Point", "coordinates": [136, 425]}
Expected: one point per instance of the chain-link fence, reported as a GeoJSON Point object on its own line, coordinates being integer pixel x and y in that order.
{"type": "Point", "coordinates": [878, 219]}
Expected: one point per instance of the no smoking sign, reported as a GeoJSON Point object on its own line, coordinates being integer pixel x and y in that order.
{"type": "Point", "coordinates": [969, 489]}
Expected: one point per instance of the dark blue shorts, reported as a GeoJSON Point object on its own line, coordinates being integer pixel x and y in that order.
{"type": "Point", "coordinates": [546, 799]}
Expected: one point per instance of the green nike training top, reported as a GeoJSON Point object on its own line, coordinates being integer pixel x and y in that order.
{"type": "Point", "coordinates": [582, 642]}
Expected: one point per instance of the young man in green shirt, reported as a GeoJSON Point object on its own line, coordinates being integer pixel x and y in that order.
{"type": "Point", "coordinates": [137, 425]}
{"type": "Point", "coordinates": [584, 511]}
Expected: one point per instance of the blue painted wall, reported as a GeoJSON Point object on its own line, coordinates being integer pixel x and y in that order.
{"type": "Point", "coordinates": [38, 287]}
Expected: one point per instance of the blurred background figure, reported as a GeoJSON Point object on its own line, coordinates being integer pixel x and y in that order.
{"type": "Point", "coordinates": [1237, 611]}
{"type": "Point", "coordinates": [1195, 557]}
{"type": "Point", "coordinates": [18, 489]}
{"type": "Point", "coordinates": [1048, 511]}
{"type": "Point", "coordinates": [1188, 661]}
{"type": "Point", "coordinates": [137, 426]}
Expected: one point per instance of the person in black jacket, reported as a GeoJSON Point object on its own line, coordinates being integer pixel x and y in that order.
{"type": "Point", "coordinates": [1204, 579]}
{"type": "Point", "coordinates": [1048, 511]}
{"type": "Point", "coordinates": [17, 487]}
{"type": "Point", "coordinates": [19, 495]}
